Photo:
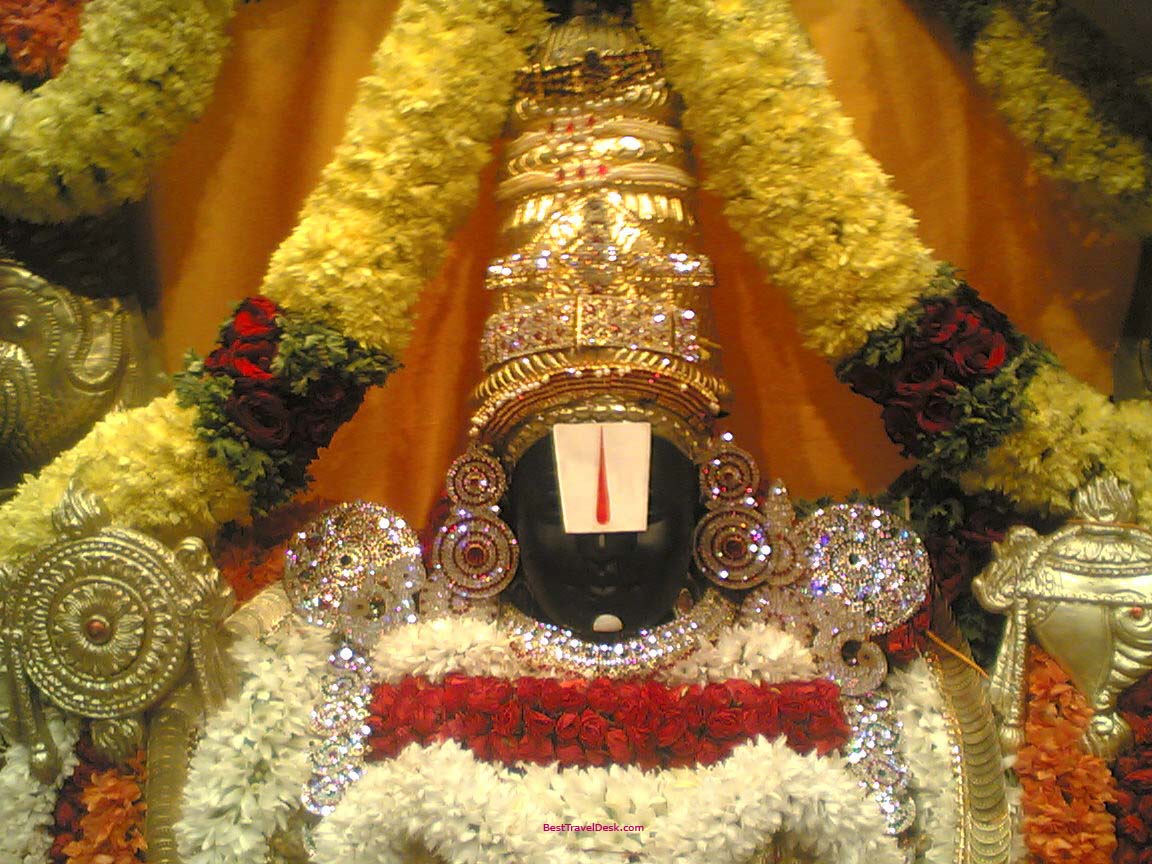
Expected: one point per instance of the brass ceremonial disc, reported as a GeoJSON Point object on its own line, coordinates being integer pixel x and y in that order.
{"type": "Point", "coordinates": [103, 631]}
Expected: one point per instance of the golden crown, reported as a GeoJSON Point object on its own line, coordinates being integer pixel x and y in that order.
{"type": "Point", "coordinates": [602, 302]}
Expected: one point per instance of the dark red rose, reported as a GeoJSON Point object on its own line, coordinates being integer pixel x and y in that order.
{"type": "Point", "coordinates": [538, 750]}
{"type": "Point", "coordinates": [980, 353]}
{"type": "Point", "coordinates": [619, 747]}
{"type": "Point", "coordinates": [481, 745]}
{"type": "Point", "coordinates": [939, 413]}
{"type": "Point", "coordinates": [871, 382]}
{"type": "Point", "coordinates": [65, 812]}
{"type": "Point", "coordinates": [425, 719]}
{"type": "Point", "coordinates": [725, 723]}
{"type": "Point", "coordinates": [602, 696]}
{"type": "Point", "coordinates": [984, 525]}
{"type": "Point", "coordinates": [944, 321]}
{"type": "Point", "coordinates": [592, 728]}
{"type": "Point", "coordinates": [715, 696]}
{"type": "Point", "coordinates": [473, 723]}
{"type": "Point", "coordinates": [488, 694]}
{"type": "Point", "coordinates": [261, 414]}
{"type": "Point", "coordinates": [686, 745]}
{"type": "Point", "coordinates": [596, 756]}
{"type": "Point", "coordinates": [507, 719]}
{"type": "Point", "coordinates": [537, 723]}
{"type": "Point", "coordinates": [254, 319]}
{"type": "Point", "coordinates": [316, 428]}
{"type": "Point", "coordinates": [570, 753]}
{"type": "Point", "coordinates": [921, 372]}
{"type": "Point", "coordinates": [529, 690]}
{"type": "Point", "coordinates": [671, 729]}
{"type": "Point", "coordinates": [693, 710]}
{"type": "Point", "coordinates": [744, 693]}
{"type": "Point", "coordinates": [1133, 827]}
{"type": "Point", "coordinates": [504, 748]}
{"type": "Point", "coordinates": [221, 360]}
{"type": "Point", "coordinates": [951, 564]}
{"type": "Point", "coordinates": [709, 753]}
{"type": "Point", "coordinates": [564, 696]}
{"type": "Point", "coordinates": [332, 393]}
{"type": "Point", "coordinates": [456, 689]}
{"type": "Point", "coordinates": [1140, 780]}
{"type": "Point", "coordinates": [1144, 808]}
{"type": "Point", "coordinates": [567, 727]}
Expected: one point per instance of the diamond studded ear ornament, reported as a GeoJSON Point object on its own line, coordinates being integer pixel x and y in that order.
{"type": "Point", "coordinates": [475, 552]}
{"type": "Point", "coordinates": [741, 542]}
{"type": "Point", "coordinates": [869, 574]}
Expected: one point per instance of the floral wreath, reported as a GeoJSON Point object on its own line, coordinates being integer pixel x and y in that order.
{"type": "Point", "coordinates": [86, 140]}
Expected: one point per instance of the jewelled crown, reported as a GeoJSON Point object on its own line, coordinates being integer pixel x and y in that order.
{"type": "Point", "coordinates": [602, 302]}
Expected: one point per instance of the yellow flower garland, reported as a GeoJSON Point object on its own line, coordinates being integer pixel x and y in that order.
{"type": "Point", "coordinates": [86, 141]}
{"type": "Point", "coordinates": [369, 236]}
{"type": "Point", "coordinates": [1111, 169]}
{"type": "Point", "coordinates": [150, 471]}
{"type": "Point", "coordinates": [406, 173]}
{"type": "Point", "coordinates": [822, 219]}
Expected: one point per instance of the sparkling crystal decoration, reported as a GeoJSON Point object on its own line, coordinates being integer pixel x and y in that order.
{"type": "Point", "coordinates": [356, 571]}
{"type": "Point", "coordinates": [867, 565]}
{"type": "Point", "coordinates": [475, 553]}
{"type": "Point", "coordinates": [555, 649]}
{"type": "Point", "coordinates": [874, 757]}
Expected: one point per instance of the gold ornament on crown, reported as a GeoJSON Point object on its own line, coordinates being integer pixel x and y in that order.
{"type": "Point", "coordinates": [602, 301]}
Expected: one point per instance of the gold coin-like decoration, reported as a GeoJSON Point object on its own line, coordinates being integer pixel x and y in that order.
{"type": "Point", "coordinates": [102, 624]}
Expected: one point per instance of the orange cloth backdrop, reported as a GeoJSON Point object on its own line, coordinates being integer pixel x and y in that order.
{"type": "Point", "coordinates": [230, 193]}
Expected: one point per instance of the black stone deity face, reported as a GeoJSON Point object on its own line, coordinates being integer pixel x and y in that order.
{"type": "Point", "coordinates": [575, 578]}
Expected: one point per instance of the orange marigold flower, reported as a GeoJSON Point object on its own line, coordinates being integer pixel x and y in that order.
{"type": "Point", "coordinates": [1065, 790]}
{"type": "Point", "coordinates": [112, 831]}
{"type": "Point", "coordinates": [39, 33]}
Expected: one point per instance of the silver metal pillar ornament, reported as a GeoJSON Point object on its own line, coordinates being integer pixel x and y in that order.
{"type": "Point", "coordinates": [1085, 593]}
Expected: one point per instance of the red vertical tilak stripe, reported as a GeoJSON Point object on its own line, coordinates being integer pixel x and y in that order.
{"type": "Point", "coordinates": [603, 505]}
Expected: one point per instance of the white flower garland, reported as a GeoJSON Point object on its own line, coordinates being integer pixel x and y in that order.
{"type": "Point", "coordinates": [27, 806]}
{"type": "Point", "coordinates": [86, 141]}
{"type": "Point", "coordinates": [247, 775]}
{"type": "Point", "coordinates": [927, 746]}
{"type": "Point", "coordinates": [467, 810]}
{"type": "Point", "coordinates": [760, 653]}
{"type": "Point", "coordinates": [245, 779]}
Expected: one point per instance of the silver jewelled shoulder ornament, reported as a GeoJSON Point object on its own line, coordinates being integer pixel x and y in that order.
{"type": "Point", "coordinates": [355, 571]}
{"type": "Point", "coordinates": [859, 572]}
{"type": "Point", "coordinates": [1085, 593]}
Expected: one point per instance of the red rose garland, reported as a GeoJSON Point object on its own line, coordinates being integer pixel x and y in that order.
{"type": "Point", "coordinates": [1133, 772]}
{"type": "Point", "coordinates": [579, 722]}
{"type": "Point", "coordinates": [274, 392]}
{"type": "Point", "coordinates": [948, 376]}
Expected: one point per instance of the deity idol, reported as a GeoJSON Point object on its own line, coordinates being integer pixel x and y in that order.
{"type": "Point", "coordinates": [622, 646]}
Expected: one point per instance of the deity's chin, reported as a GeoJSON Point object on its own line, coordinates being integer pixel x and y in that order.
{"type": "Point", "coordinates": [609, 613]}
